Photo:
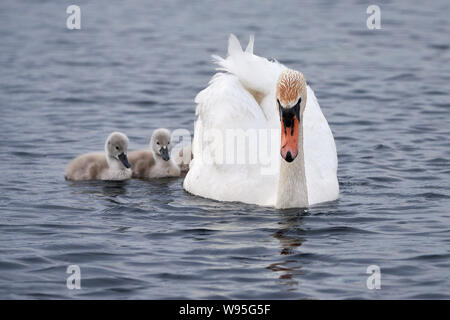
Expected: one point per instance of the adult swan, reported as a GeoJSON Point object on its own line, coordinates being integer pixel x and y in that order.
{"type": "Point", "coordinates": [252, 94]}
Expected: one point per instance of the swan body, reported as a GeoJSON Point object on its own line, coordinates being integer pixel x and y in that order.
{"type": "Point", "coordinates": [156, 162]}
{"type": "Point", "coordinates": [250, 94]}
{"type": "Point", "coordinates": [110, 165]}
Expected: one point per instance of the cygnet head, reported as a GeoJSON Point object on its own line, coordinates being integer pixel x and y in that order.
{"type": "Point", "coordinates": [116, 147]}
{"type": "Point", "coordinates": [291, 101]}
{"type": "Point", "coordinates": [160, 143]}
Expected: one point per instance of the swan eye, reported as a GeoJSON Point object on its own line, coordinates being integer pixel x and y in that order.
{"type": "Point", "coordinates": [299, 100]}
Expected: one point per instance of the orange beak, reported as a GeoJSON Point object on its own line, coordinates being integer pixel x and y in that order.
{"type": "Point", "coordinates": [289, 136]}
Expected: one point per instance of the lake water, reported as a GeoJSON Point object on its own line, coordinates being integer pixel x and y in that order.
{"type": "Point", "coordinates": [137, 67]}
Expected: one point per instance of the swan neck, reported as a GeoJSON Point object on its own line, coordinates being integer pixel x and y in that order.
{"type": "Point", "coordinates": [114, 164]}
{"type": "Point", "coordinates": [292, 189]}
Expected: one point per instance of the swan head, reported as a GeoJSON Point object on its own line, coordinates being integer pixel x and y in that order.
{"type": "Point", "coordinates": [116, 147]}
{"type": "Point", "coordinates": [291, 101]}
{"type": "Point", "coordinates": [160, 143]}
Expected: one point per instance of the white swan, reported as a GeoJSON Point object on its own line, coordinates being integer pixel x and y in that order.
{"type": "Point", "coordinates": [156, 162]}
{"type": "Point", "coordinates": [251, 94]}
{"type": "Point", "coordinates": [110, 165]}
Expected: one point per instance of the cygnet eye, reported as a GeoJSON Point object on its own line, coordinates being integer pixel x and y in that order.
{"type": "Point", "coordinates": [168, 142]}
{"type": "Point", "coordinates": [117, 148]}
{"type": "Point", "coordinates": [157, 142]}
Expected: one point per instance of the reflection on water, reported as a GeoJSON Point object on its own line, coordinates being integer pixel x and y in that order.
{"type": "Point", "coordinates": [289, 237]}
{"type": "Point", "coordinates": [289, 228]}
{"type": "Point", "coordinates": [113, 189]}
{"type": "Point", "coordinates": [109, 189]}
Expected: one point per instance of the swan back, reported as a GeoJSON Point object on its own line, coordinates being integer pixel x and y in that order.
{"type": "Point", "coordinates": [257, 74]}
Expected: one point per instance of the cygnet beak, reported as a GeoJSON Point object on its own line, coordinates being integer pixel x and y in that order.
{"type": "Point", "coordinates": [165, 153]}
{"type": "Point", "coordinates": [123, 158]}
